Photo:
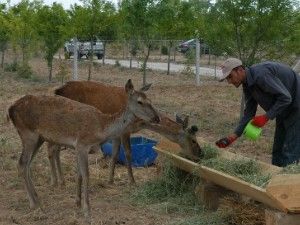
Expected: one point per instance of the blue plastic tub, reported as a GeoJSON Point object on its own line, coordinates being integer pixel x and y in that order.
{"type": "Point", "coordinates": [142, 152]}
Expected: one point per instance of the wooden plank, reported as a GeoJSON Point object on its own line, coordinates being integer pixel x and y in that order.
{"type": "Point", "coordinates": [224, 180]}
{"type": "Point", "coordinates": [285, 188]}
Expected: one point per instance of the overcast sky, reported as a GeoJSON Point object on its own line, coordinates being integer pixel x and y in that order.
{"type": "Point", "coordinates": [66, 3]}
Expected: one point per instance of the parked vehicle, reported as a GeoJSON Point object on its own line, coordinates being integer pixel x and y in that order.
{"type": "Point", "coordinates": [186, 46]}
{"type": "Point", "coordinates": [84, 49]}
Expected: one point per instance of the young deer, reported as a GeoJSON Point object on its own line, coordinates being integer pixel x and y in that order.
{"type": "Point", "coordinates": [70, 123]}
{"type": "Point", "coordinates": [111, 99]}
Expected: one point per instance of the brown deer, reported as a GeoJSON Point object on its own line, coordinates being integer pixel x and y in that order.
{"type": "Point", "coordinates": [111, 99]}
{"type": "Point", "coordinates": [62, 121]}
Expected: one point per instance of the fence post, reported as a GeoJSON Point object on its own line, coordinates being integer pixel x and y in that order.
{"type": "Point", "coordinates": [197, 61]}
{"type": "Point", "coordinates": [75, 66]}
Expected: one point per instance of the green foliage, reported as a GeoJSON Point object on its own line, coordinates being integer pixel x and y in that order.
{"type": "Point", "coordinates": [22, 21]}
{"type": "Point", "coordinates": [178, 19]}
{"type": "Point", "coordinates": [190, 56]}
{"type": "Point", "coordinates": [134, 47]}
{"type": "Point", "coordinates": [251, 30]}
{"type": "Point", "coordinates": [24, 71]}
{"type": "Point", "coordinates": [188, 71]}
{"type": "Point", "coordinates": [95, 19]}
{"type": "Point", "coordinates": [4, 29]}
{"type": "Point", "coordinates": [12, 67]}
{"type": "Point", "coordinates": [63, 73]}
{"type": "Point", "coordinates": [117, 63]}
{"type": "Point", "coordinates": [51, 23]}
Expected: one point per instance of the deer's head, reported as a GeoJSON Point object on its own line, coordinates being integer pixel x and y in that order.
{"type": "Point", "coordinates": [140, 105]}
{"type": "Point", "coordinates": [190, 144]}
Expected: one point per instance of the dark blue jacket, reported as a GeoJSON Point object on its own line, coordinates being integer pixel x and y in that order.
{"type": "Point", "coordinates": [276, 88]}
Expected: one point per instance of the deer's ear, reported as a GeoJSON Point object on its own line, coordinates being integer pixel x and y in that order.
{"type": "Point", "coordinates": [129, 87]}
{"type": "Point", "coordinates": [146, 87]}
{"type": "Point", "coordinates": [185, 122]}
{"type": "Point", "coordinates": [178, 118]}
{"type": "Point", "coordinates": [182, 119]}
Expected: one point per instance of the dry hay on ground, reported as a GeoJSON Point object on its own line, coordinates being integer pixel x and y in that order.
{"type": "Point", "coordinates": [242, 213]}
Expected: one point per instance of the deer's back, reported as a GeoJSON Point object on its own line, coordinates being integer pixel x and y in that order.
{"type": "Point", "coordinates": [55, 117]}
{"type": "Point", "coordinates": [108, 99]}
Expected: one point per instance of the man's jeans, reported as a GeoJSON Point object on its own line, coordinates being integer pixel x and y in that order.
{"type": "Point", "coordinates": [286, 146]}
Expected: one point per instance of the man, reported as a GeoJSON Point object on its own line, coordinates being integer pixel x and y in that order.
{"type": "Point", "coordinates": [276, 88]}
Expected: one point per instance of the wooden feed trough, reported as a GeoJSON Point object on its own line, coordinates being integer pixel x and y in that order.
{"type": "Point", "coordinates": [282, 192]}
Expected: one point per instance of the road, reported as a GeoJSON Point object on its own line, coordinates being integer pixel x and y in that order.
{"type": "Point", "coordinates": [174, 67]}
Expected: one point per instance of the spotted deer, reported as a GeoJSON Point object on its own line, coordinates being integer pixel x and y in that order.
{"type": "Point", "coordinates": [110, 99]}
{"type": "Point", "coordinates": [62, 121]}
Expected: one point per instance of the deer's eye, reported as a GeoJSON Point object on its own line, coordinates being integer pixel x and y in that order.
{"type": "Point", "coordinates": [140, 102]}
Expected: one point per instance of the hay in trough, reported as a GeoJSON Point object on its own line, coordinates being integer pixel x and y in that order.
{"type": "Point", "coordinates": [247, 170]}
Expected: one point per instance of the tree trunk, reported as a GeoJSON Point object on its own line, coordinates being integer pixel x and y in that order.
{"type": "Point", "coordinates": [2, 59]}
{"type": "Point", "coordinates": [50, 67]}
{"type": "Point", "coordinates": [145, 64]}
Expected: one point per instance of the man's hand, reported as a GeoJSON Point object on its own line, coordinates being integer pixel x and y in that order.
{"type": "Point", "coordinates": [260, 121]}
{"type": "Point", "coordinates": [225, 142]}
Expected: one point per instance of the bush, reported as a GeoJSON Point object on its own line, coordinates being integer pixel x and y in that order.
{"type": "Point", "coordinates": [164, 50]}
{"type": "Point", "coordinates": [190, 56]}
{"type": "Point", "coordinates": [67, 55]}
{"type": "Point", "coordinates": [134, 51]}
{"type": "Point", "coordinates": [11, 67]}
{"type": "Point", "coordinates": [117, 63]}
{"type": "Point", "coordinates": [24, 71]}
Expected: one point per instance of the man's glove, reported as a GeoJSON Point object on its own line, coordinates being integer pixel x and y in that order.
{"type": "Point", "coordinates": [260, 121]}
{"type": "Point", "coordinates": [225, 142]}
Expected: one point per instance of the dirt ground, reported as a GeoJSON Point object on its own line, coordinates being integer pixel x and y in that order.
{"type": "Point", "coordinates": [212, 106]}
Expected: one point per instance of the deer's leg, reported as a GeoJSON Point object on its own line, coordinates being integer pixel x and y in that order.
{"type": "Point", "coordinates": [82, 152]}
{"type": "Point", "coordinates": [115, 153]}
{"type": "Point", "coordinates": [51, 156]}
{"type": "Point", "coordinates": [31, 143]}
{"type": "Point", "coordinates": [127, 147]}
{"type": "Point", "coordinates": [60, 176]}
{"type": "Point", "coordinates": [79, 183]}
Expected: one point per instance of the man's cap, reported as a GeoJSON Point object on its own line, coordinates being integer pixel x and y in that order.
{"type": "Point", "coordinates": [228, 65]}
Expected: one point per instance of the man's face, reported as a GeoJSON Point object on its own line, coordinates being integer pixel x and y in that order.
{"type": "Point", "coordinates": [236, 77]}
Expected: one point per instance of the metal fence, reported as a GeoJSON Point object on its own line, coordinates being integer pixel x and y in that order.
{"type": "Point", "coordinates": [164, 55]}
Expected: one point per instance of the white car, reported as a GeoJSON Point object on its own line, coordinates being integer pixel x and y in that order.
{"type": "Point", "coordinates": [84, 49]}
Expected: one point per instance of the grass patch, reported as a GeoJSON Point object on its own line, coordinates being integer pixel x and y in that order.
{"type": "Point", "coordinates": [174, 193]}
{"type": "Point", "coordinates": [291, 169]}
{"type": "Point", "coordinates": [171, 192]}
{"type": "Point", "coordinates": [247, 170]}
